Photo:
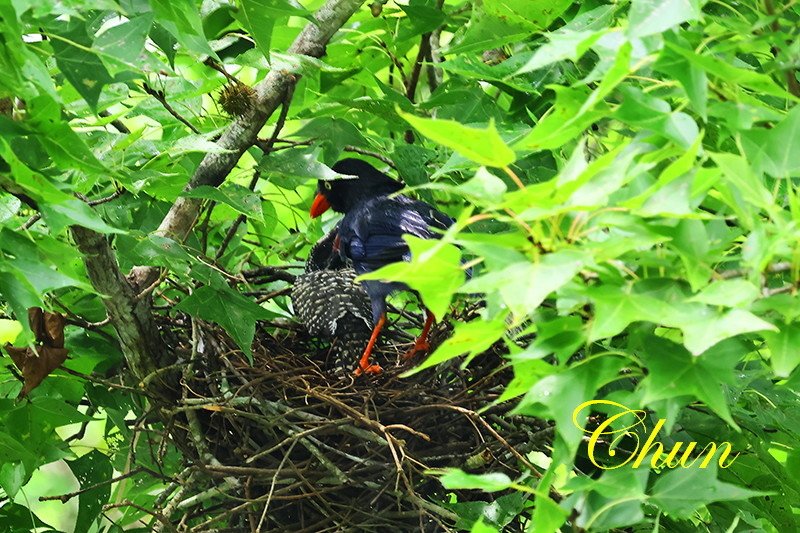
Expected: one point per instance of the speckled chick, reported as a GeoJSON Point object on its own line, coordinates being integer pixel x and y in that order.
{"type": "Point", "coordinates": [332, 306]}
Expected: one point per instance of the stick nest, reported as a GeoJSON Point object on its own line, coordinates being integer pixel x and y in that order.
{"type": "Point", "coordinates": [285, 444]}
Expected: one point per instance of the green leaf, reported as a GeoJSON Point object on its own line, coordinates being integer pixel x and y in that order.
{"type": "Point", "coordinates": [20, 519]}
{"type": "Point", "coordinates": [615, 308]}
{"type": "Point", "coordinates": [613, 501]}
{"type": "Point", "coordinates": [682, 491]}
{"type": "Point", "coordinates": [775, 151]}
{"type": "Point", "coordinates": [82, 67]}
{"type": "Point", "coordinates": [673, 372]}
{"type": "Point", "coordinates": [563, 44]}
{"type": "Point", "coordinates": [91, 469]}
{"type": "Point", "coordinates": [120, 47]}
{"type": "Point", "coordinates": [737, 172]}
{"type": "Point", "coordinates": [490, 28]}
{"type": "Point", "coordinates": [236, 314]}
{"type": "Point", "coordinates": [482, 527]}
{"type": "Point", "coordinates": [9, 330]}
{"type": "Point", "coordinates": [484, 187]}
{"type": "Point", "coordinates": [703, 328]}
{"type": "Point", "coordinates": [553, 271]}
{"type": "Point", "coordinates": [458, 479]}
{"type": "Point", "coordinates": [20, 295]}
{"type": "Point", "coordinates": [258, 17]}
{"type": "Point", "coordinates": [75, 213]}
{"type": "Point", "coordinates": [548, 515]}
{"type": "Point", "coordinates": [655, 16]}
{"type": "Point", "coordinates": [728, 293]}
{"type": "Point", "coordinates": [471, 338]}
{"type": "Point", "coordinates": [44, 277]}
{"type": "Point", "coordinates": [182, 19]}
{"type": "Point", "coordinates": [750, 79]}
{"type": "Point", "coordinates": [434, 271]}
{"type": "Point", "coordinates": [289, 168]}
{"type": "Point", "coordinates": [647, 112]}
{"type": "Point", "coordinates": [692, 78]}
{"type": "Point", "coordinates": [12, 478]}
{"type": "Point", "coordinates": [9, 207]}
{"type": "Point", "coordinates": [784, 347]}
{"type": "Point", "coordinates": [56, 412]}
{"type": "Point", "coordinates": [576, 108]}
{"type": "Point", "coordinates": [557, 395]}
{"type": "Point", "coordinates": [236, 196]}
{"type": "Point", "coordinates": [483, 146]}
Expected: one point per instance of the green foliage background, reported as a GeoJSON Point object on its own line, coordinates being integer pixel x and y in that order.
{"type": "Point", "coordinates": [653, 248]}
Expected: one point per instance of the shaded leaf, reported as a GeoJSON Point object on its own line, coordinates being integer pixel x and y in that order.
{"type": "Point", "coordinates": [91, 469]}
{"type": "Point", "coordinates": [784, 347]}
{"type": "Point", "coordinates": [236, 314]}
{"type": "Point", "coordinates": [682, 491]}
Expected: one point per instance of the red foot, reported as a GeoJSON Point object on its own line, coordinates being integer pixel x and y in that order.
{"type": "Point", "coordinates": [419, 348]}
{"type": "Point", "coordinates": [373, 369]}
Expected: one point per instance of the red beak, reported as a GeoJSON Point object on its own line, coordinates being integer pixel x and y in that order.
{"type": "Point", "coordinates": [319, 206]}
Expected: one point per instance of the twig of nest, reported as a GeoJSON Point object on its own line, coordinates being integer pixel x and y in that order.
{"type": "Point", "coordinates": [285, 444]}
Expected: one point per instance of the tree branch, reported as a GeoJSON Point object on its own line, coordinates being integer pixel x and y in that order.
{"type": "Point", "coordinates": [243, 131]}
{"type": "Point", "coordinates": [138, 335]}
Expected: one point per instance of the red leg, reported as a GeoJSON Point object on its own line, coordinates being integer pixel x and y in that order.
{"type": "Point", "coordinates": [421, 344]}
{"type": "Point", "coordinates": [364, 364]}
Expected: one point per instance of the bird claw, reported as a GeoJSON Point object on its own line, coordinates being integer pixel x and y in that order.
{"type": "Point", "coordinates": [418, 349]}
{"type": "Point", "coordinates": [373, 369]}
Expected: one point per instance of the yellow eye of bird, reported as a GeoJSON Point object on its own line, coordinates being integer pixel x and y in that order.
{"type": "Point", "coordinates": [327, 185]}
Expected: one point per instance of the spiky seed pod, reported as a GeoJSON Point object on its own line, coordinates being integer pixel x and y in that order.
{"type": "Point", "coordinates": [236, 99]}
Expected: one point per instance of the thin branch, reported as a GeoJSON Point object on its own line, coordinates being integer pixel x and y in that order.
{"type": "Point", "coordinates": [272, 485]}
{"type": "Point", "coordinates": [370, 153]}
{"type": "Point", "coordinates": [774, 268]}
{"type": "Point", "coordinates": [435, 75]}
{"type": "Point", "coordinates": [101, 381]}
{"type": "Point", "coordinates": [158, 516]}
{"type": "Point", "coordinates": [210, 62]}
{"type": "Point", "coordinates": [162, 98]}
{"type": "Point", "coordinates": [395, 62]}
{"type": "Point", "coordinates": [64, 498]}
{"type": "Point", "coordinates": [424, 50]}
{"type": "Point", "coordinates": [120, 127]}
{"type": "Point", "coordinates": [35, 218]}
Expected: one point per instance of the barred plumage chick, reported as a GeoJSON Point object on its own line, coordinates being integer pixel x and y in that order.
{"type": "Point", "coordinates": [332, 306]}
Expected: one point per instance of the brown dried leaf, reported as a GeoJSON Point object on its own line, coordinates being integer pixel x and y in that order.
{"type": "Point", "coordinates": [47, 327]}
{"type": "Point", "coordinates": [36, 320]}
{"type": "Point", "coordinates": [35, 368]}
{"type": "Point", "coordinates": [54, 329]}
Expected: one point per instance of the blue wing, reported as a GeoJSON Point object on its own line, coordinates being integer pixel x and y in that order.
{"type": "Point", "coordinates": [373, 232]}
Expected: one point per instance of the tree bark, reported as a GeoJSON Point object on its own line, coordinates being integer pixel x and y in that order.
{"type": "Point", "coordinates": [242, 132]}
{"type": "Point", "coordinates": [131, 317]}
